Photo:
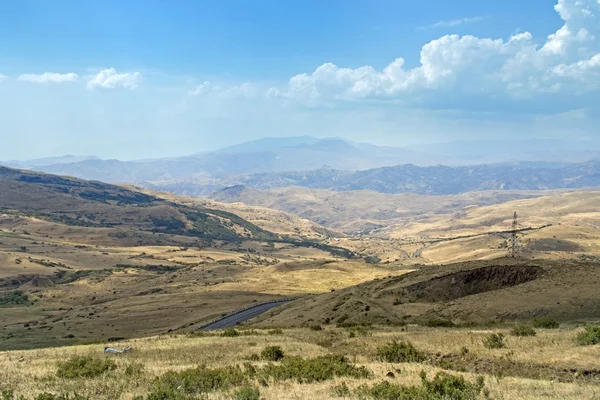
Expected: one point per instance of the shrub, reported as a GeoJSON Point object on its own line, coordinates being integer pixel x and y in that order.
{"type": "Point", "coordinates": [523, 330]}
{"type": "Point", "coordinates": [50, 396]}
{"type": "Point", "coordinates": [275, 332]}
{"type": "Point", "coordinates": [545, 323]}
{"type": "Point", "coordinates": [397, 352]}
{"type": "Point", "coordinates": [272, 353]}
{"type": "Point", "coordinates": [197, 381]}
{"type": "Point", "coordinates": [494, 341]}
{"type": "Point", "coordinates": [84, 367]}
{"type": "Point", "coordinates": [448, 386]}
{"type": "Point", "coordinates": [247, 393]}
{"type": "Point", "coordinates": [14, 298]}
{"type": "Point", "coordinates": [253, 357]}
{"type": "Point", "coordinates": [442, 387]}
{"type": "Point", "coordinates": [230, 332]}
{"type": "Point", "coordinates": [316, 328]}
{"type": "Point", "coordinates": [389, 391]}
{"type": "Point", "coordinates": [318, 369]}
{"type": "Point", "coordinates": [589, 337]}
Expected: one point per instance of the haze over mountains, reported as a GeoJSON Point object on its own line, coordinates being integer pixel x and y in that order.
{"type": "Point", "coordinates": [341, 165]}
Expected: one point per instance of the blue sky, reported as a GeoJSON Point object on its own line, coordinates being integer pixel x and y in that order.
{"type": "Point", "coordinates": [135, 79]}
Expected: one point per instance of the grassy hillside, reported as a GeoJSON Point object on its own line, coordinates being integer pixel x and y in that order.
{"type": "Point", "coordinates": [413, 229]}
{"type": "Point", "coordinates": [85, 261]}
{"type": "Point", "coordinates": [264, 216]}
{"type": "Point", "coordinates": [92, 204]}
{"type": "Point", "coordinates": [474, 292]}
{"type": "Point", "coordinates": [360, 362]}
{"type": "Point", "coordinates": [364, 210]}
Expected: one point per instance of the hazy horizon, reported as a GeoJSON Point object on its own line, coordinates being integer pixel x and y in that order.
{"type": "Point", "coordinates": [576, 145]}
{"type": "Point", "coordinates": [138, 80]}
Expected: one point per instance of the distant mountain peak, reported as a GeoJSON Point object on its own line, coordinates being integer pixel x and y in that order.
{"type": "Point", "coordinates": [269, 143]}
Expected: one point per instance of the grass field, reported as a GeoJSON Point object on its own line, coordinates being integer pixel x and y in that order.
{"type": "Point", "coordinates": [549, 365]}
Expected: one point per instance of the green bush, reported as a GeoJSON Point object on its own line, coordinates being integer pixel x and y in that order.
{"type": "Point", "coordinates": [9, 395]}
{"type": "Point", "coordinates": [446, 386]}
{"type": "Point", "coordinates": [523, 330]}
{"type": "Point", "coordinates": [442, 387]}
{"type": "Point", "coordinates": [50, 396]}
{"type": "Point", "coordinates": [389, 391]}
{"type": "Point", "coordinates": [246, 393]}
{"type": "Point", "coordinates": [318, 369]}
{"type": "Point", "coordinates": [166, 394]}
{"type": "Point", "coordinates": [198, 381]}
{"type": "Point", "coordinates": [84, 367]}
{"type": "Point", "coordinates": [14, 298]}
{"type": "Point", "coordinates": [545, 323]}
{"type": "Point", "coordinates": [494, 341]}
{"type": "Point", "coordinates": [589, 337]}
{"type": "Point", "coordinates": [272, 353]}
{"type": "Point", "coordinates": [230, 332]}
{"type": "Point", "coordinates": [397, 352]}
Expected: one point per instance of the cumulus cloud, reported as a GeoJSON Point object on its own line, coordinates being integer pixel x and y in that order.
{"type": "Point", "coordinates": [452, 67]}
{"type": "Point", "coordinates": [49, 77]}
{"type": "Point", "coordinates": [245, 90]}
{"type": "Point", "coordinates": [110, 79]}
{"type": "Point", "coordinates": [455, 22]}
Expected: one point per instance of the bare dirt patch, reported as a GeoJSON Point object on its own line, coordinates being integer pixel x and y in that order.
{"type": "Point", "coordinates": [466, 283]}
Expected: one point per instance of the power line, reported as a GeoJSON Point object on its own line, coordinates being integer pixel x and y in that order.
{"type": "Point", "coordinates": [513, 246]}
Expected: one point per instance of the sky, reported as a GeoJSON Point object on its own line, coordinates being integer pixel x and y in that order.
{"type": "Point", "coordinates": [143, 78]}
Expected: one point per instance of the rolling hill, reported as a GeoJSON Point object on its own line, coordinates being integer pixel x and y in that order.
{"type": "Point", "coordinates": [363, 210]}
{"type": "Point", "coordinates": [473, 292]}
{"type": "Point", "coordinates": [83, 260]}
{"type": "Point", "coordinates": [91, 204]}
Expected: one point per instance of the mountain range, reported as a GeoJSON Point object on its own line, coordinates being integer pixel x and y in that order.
{"type": "Point", "coordinates": [342, 165]}
{"type": "Point", "coordinates": [436, 180]}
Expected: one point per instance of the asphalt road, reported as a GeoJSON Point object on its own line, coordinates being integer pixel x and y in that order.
{"type": "Point", "coordinates": [234, 319]}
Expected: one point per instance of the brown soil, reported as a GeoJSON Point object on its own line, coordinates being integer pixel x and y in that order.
{"type": "Point", "coordinates": [466, 283]}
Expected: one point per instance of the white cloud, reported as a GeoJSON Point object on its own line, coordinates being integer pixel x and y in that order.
{"type": "Point", "coordinates": [3, 77]}
{"type": "Point", "coordinates": [458, 69]}
{"type": "Point", "coordinates": [48, 77]}
{"type": "Point", "coordinates": [455, 22]}
{"type": "Point", "coordinates": [110, 79]}
{"type": "Point", "coordinates": [205, 87]}
{"type": "Point", "coordinates": [245, 90]}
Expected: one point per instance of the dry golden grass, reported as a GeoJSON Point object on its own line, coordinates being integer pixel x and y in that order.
{"type": "Point", "coordinates": [122, 298]}
{"type": "Point", "coordinates": [32, 372]}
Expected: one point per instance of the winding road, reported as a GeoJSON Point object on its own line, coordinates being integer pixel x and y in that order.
{"type": "Point", "coordinates": [241, 316]}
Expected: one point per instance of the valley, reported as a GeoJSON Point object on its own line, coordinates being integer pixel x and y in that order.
{"type": "Point", "coordinates": [85, 264]}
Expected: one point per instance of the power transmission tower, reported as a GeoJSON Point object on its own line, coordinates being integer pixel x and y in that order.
{"type": "Point", "coordinates": [513, 246]}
